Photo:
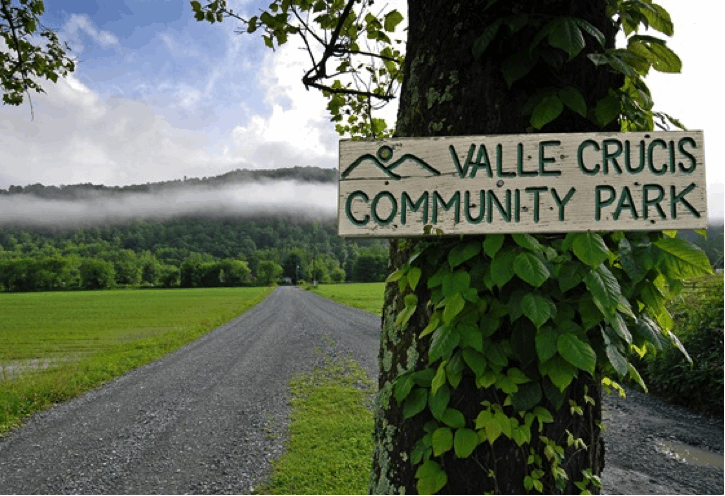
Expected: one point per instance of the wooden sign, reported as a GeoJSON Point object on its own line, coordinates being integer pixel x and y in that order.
{"type": "Point", "coordinates": [522, 183]}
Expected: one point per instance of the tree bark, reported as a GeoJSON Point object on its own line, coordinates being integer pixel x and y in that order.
{"type": "Point", "coordinates": [446, 92]}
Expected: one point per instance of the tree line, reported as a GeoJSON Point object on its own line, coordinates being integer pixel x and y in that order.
{"type": "Point", "coordinates": [186, 253]}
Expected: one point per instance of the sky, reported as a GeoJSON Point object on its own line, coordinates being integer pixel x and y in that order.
{"type": "Point", "coordinates": [158, 96]}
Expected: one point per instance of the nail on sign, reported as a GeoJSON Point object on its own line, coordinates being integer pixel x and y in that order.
{"type": "Point", "coordinates": [522, 183]}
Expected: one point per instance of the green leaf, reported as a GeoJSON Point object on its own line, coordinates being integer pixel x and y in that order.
{"type": "Point", "coordinates": [518, 65]}
{"type": "Point", "coordinates": [413, 277]}
{"type": "Point", "coordinates": [453, 307]}
{"type": "Point", "coordinates": [471, 336]}
{"type": "Point", "coordinates": [431, 478]}
{"type": "Point", "coordinates": [493, 430]}
{"type": "Point", "coordinates": [475, 360]}
{"type": "Point", "coordinates": [442, 440]}
{"type": "Point", "coordinates": [618, 361]}
{"type": "Point", "coordinates": [456, 282]}
{"type": "Point", "coordinates": [465, 442]}
{"type": "Point", "coordinates": [590, 248]}
{"type": "Point", "coordinates": [502, 267]}
{"type": "Point", "coordinates": [572, 98]}
{"type": "Point", "coordinates": [548, 109]}
{"type": "Point", "coordinates": [589, 28]}
{"type": "Point", "coordinates": [570, 275]}
{"type": "Point", "coordinates": [453, 418]}
{"type": "Point", "coordinates": [604, 289]}
{"type": "Point", "coordinates": [463, 252]}
{"type": "Point", "coordinates": [442, 344]}
{"type": "Point", "coordinates": [560, 371]}
{"type": "Point", "coordinates": [537, 308]}
{"type": "Point", "coordinates": [527, 241]}
{"type": "Point", "coordinates": [485, 39]}
{"type": "Point", "coordinates": [564, 33]}
{"type": "Point", "coordinates": [415, 402]}
{"type": "Point", "coordinates": [607, 109]}
{"type": "Point", "coordinates": [527, 397]}
{"type": "Point", "coordinates": [440, 378]}
{"type": "Point", "coordinates": [438, 402]}
{"type": "Point", "coordinates": [626, 256]}
{"type": "Point", "coordinates": [546, 343]}
{"type": "Point", "coordinates": [492, 244]}
{"type": "Point", "coordinates": [577, 352]}
{"type": "Point", "coordinates": [195, 6]}
{"type": "Point", "coordinates": [680, 259]}
{"type": "Point", "coordinates": [432, 324]}
{"type": "Point", "coordinates": [403, 385]}
{"type": "Point", "coordinates": [530, 269]}
{"type": "Point", "coordinates": [391, 20]}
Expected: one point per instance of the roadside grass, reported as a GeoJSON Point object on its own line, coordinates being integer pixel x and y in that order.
{"type": "Point", "coordinates": [330, 446]}
{"type": "Point", "coordinates": [365, 296]}
{"type": "Point", "coordinates": [54, 346]}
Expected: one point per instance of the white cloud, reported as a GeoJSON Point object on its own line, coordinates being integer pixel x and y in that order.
{"type": "Point", "coordinates": [282, 197]}
{"type": "Point", "coordinates": [79, 24]}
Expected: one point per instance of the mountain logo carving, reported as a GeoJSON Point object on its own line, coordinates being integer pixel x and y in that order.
{"type": "Point", "coordinates": [381, 159]}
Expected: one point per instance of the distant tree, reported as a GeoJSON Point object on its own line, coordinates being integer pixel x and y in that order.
{"type": "Point", "coordinates": [235, 272]}
{"type": "Point", "coordinates": [338, 275]}
{"type": "Point", "coordinates": [293, 265]}
{"type": "Point", "coordinates": [268, 272]}
{"type": "Point", "coordinates": [97, 274]}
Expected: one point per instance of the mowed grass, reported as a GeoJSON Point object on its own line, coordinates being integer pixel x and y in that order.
{"type": "Point", "coordinates": [365, 296]}
{"type": "Point", "coordinates": [54, 346]}
{"type": "Point", "coordinates": [330, 447]}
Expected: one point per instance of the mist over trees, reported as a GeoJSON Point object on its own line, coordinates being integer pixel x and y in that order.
{"type": "Point", "coordinates": [202, 251]}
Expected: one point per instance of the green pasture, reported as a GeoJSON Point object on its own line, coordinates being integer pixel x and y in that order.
{"type": "Point", "coordinates": [365, 296]}
{"type": "Point", "coordinates": [54, 346]}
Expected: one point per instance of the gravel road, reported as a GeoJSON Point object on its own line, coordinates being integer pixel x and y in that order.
{"type": "Point", "coordinates": [209, 417]}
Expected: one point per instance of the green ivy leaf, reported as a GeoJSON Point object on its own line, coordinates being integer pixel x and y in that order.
{"type": "Point", "coordinates": [454, 306]}
{"type": "Point", "coordinates": [548, 109]}
{"type": "Point", "coordinates": [590, 248]}
{"type": "Point", "coordinates": [438, 402]}
{"type": "Point", "coordinates": [403, 385]}
{"type": "Point", "coordinates": [444, 340]}
{"type": "Point", "coordinates": [680, 259]}
{"type": "Point", "coordinates": [465, 442]}
{"type": "Point", "coordinates": [475, 360]}
{"type": "Point", "coordinates": [431, 478]}
{"type": "Point", "coordinates": [537, 307]}
{"type": "Point", "coordinates": [456, 282]}
{"type": "Point", "coordinates": [453, 418]}
{"type": "Point", "coordinates": [577, 352]}
{"type": "Point", "coordinates": [493, 430]}
{"type": "Point", "coordinates": [471, 336]}
{"type": "Point", "coordinates": [530, 269]}
{"type": "Point", "coordinates": [572, 98]}
{"type": "Point", "coordinates": [527, 241]}
{"type": "Point", "coordinates": [413, 277]}
{"type": "Point", "coordinates": [442, 440]}
{"type": "Point", "coordinates": [570, 275]}
{"type": "Point", "coordinates": [546, 343]}
{"type": "Point", "coordinates": [559, 371]}
{"type": "Point", "coordinates": [564, 33]}
{"type": "Point", "coordinates": [463, 252]}
{"type": "Point", "coordinates": [618, 361]}
{"type": "Point", "coordinates": [502, 267]}
{"type": "Point", "coordinates": [492, 244]}
{"type": "Point", "coordinates": [607, 109]}
{"type": "Point", "coordinates": [391, 20]}
{"type": "Point", "coordinates": [604, 289]}
{"type": "Point", "coordinates": [415, 402]}
{"type": "Point", "coordinates": [518, 65]}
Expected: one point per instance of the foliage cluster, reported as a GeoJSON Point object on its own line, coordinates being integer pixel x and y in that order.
{"type": "Point", "coordinates": [698, 316]}
{"type": "Point", "coordinates": [91, 337]}
{"type": "Point", "coordinates": [585, 300]}
{"type": "Point", "coordinates": [186, 253]}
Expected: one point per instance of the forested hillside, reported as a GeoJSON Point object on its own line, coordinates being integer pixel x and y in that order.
{"type": "Point", "coordinates": [204, 250]}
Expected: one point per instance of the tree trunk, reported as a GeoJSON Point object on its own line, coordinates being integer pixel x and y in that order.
{"type": "Point", "coordinates": [446, 92]}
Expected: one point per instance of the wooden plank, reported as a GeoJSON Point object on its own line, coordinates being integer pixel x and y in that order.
{"type": "Point", "coordinates": [522, 183]}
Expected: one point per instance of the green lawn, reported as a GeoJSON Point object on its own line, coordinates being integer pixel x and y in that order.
{"type": "Point", "coordinates": [365, 296]}
{"type": "Point", "coordinates": [88, 338]}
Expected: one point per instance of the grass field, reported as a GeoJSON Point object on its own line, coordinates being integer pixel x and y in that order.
{"type": "Point", "coordinates": [365, 296]}
{"type": "Point", "coordinates": [87, 338]}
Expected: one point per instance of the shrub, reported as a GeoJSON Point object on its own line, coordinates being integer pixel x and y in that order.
{"type": "Point", "coordinates": [698, 316]}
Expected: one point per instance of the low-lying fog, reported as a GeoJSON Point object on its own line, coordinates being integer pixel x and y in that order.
{"type": "Point", "coordinates": [310, 200]}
